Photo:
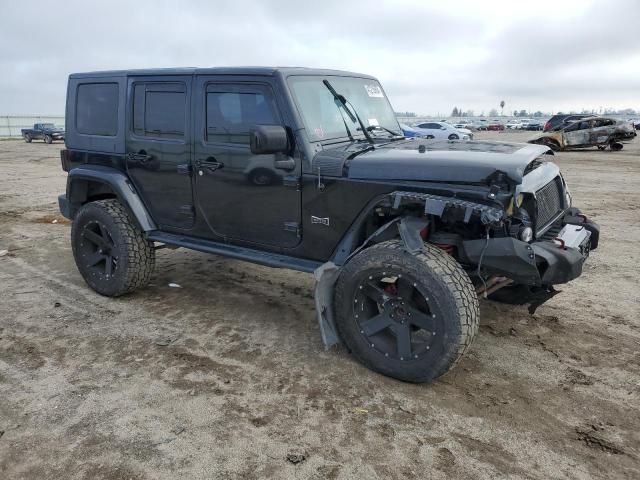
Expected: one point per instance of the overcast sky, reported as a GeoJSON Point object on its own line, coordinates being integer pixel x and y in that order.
{"type": "Point", "coordinates": [541, 55]}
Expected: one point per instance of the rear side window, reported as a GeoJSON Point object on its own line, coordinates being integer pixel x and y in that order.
{"type": "Point", "coordinates": [233, 110]}
{"type": "Point", "coordinates": [97, 109]}
{"type": "Point", "coordinates": [159, 110]}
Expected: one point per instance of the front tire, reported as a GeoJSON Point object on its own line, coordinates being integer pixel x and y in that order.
{"type": "Point", "coordinates": [407, 316]}
{"type": "Point", "coordinates": [453, 136]}
{"type": "Point", "coordinates": [48, 139]}
{"type": "Point", "coordinates": [111, 253]}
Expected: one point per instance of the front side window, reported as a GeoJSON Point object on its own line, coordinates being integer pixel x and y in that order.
{"type": "Point", "coordinates": [159, 110]}
{"type": "Point", "coordinates": [233, 110]}
{"type": "Point", "coordinates": [97, 109]}
{"type": "Point", "coordinates": [325, 118]}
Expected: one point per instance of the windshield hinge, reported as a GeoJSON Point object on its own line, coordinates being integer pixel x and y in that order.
{"type": "Point", "coordinates": [291, 181]}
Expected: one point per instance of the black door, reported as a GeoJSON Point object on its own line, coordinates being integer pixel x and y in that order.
{"type": "Point", "coordinates": [243, 197]}
{"type": "Point", "coordinates": [159, 148]}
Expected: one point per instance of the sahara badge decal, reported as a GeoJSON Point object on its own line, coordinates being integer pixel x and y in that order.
{"type": "Point", "coordinates": [319, 220]}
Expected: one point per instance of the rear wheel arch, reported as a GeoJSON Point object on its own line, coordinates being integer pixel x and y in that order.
{"type": "Point", "coordinates": [85, 189]}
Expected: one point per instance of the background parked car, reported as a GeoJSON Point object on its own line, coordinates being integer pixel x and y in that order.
{"type": "Point", "coordinates": [444, 130]}
{"type": "Point", "coordinates": [514, 125]}
{"type": "Point", "coordinates": [43, 131]}
{"type": "Point", "coordinates": [480, 124]}
{"type": "Point", "coordinates": [411, 132]}
{"type": "Point", "coordinates": [562, 120]}
{"type": "Point", "coordinates": [468, 124]}
{"type": "Point", "coordinates": [495, 125]}
{"type": "Point", "coordinates": [533, 125]}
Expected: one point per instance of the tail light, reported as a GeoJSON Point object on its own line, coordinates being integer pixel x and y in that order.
{"type": "Point", "coordinates": [64, 159]}
{"type": "Point", "coordinates": [547, 126]}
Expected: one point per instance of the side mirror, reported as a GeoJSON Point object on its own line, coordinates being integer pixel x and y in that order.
{"type": "Point", "coordinates": [265, 139]}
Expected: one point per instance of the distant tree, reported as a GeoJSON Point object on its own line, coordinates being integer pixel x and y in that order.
{"type": "Point", "coordinates": [469, 113]}
{"type": "Point", "coordinates": [522, 113]}
{"type": "Point", "coordinates": [493, 112]}
{"type": "Point", "coordinates": [482, 113]}
{"type": "Point", "coordinates": [502, 104]}
{"type": "Point", "coordinates": [455, 112]}
{"type": "Point", "coordinates": [515, 113]}
{"type": "Point", "coordinates": [538, 114]}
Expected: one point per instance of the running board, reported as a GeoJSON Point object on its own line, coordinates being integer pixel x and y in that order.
{"type": "Point", "coordinates": [260, 257]}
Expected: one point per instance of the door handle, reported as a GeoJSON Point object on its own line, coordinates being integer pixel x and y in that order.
{"type": "Point", "coordinates": [288, 164]}
{"type": "Point", "coordinates": [210, 165]}
{"type": "Point", "coordinates": [139, 157]}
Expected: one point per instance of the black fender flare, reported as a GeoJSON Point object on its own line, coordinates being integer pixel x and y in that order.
{"type": "Point", "coordinates": [77, 186]}
{"type": "Point", "coordinates": [408, 228]}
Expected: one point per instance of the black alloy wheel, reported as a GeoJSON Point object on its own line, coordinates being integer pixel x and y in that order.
{"type": "Point", "coordinates": [394, 316]}
{"type": "Point", "coordinates": [97, 249]}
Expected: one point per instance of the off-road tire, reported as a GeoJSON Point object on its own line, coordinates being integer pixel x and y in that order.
{"type": "Point", "coordinates": [135, 255]}
{"type": "Point", "coordinates": [27, 138]}
{"type": "Point", "coordinates": [48, 139]}
{"type": "Point", "coordinates": [445, 285]}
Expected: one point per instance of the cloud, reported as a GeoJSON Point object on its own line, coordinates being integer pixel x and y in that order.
{"type": "Point", "coordinates": [430, 57]}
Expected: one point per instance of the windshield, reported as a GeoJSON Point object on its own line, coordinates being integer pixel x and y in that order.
{"type": "Point", "coordinates": [47, 125]}
{"type": "Point", "coordinates": [325, 119]}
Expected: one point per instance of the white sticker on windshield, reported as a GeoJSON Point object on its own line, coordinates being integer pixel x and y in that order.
{"type": "Point", "coordinates": [373, 121]}
{"type": "Point", "coordinates": [374, 91]}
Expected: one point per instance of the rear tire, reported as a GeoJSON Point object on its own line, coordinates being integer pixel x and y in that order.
{"type": "Point", "coordinates": [111, 253]}
{"type": "Point", "coordinates": [27, 138]}
{"type": "Point", "coordinates": [407, 316]}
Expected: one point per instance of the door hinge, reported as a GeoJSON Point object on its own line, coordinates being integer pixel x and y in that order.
{"type": "Point", "coordinates": [187, 210]}
{"type": "Point", "coordinates": [291, 181]}
{"type": "Point", "coordinates": [293, 227]}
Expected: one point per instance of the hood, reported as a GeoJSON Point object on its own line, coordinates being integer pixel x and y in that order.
{"type": "Point", "coordinates": [444, 161]}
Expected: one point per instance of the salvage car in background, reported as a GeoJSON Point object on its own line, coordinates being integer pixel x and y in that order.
{"type": "Point", "coordinates": [444, 130]}
{"type": "Point", "coordinates": [562, 120]}
{"type": "Point", "coordinates": [588, 132]}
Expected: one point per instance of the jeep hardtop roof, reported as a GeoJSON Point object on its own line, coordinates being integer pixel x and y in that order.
{"type": "Point", "coordinates": [269, 71]}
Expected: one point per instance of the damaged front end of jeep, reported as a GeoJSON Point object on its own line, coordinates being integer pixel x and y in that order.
{"type": "Point", "coordinates": [516, 242]}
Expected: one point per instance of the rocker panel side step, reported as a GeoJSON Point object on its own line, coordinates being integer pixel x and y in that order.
{"type": "Point", "coordinates": [268, 259]}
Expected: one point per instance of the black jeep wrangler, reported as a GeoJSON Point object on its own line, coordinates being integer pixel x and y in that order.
{"type": "Point", "coordinates": [307, 169]}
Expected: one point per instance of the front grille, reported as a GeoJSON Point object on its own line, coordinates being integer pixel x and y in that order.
{"type": "Point", "coordinates": [549, 202]}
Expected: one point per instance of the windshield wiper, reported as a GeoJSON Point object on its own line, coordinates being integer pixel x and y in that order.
{"type": "Point", "coordinates": [344, 102]}
{"type": "Point", "coordinates": [371, 128]}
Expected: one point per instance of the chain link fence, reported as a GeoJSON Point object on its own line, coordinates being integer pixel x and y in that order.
{"type": "Point", "coordinates": [10, 125]}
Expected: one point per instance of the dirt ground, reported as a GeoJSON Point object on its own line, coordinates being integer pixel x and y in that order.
{"type": "Point", "coordinates": [227, 377]}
